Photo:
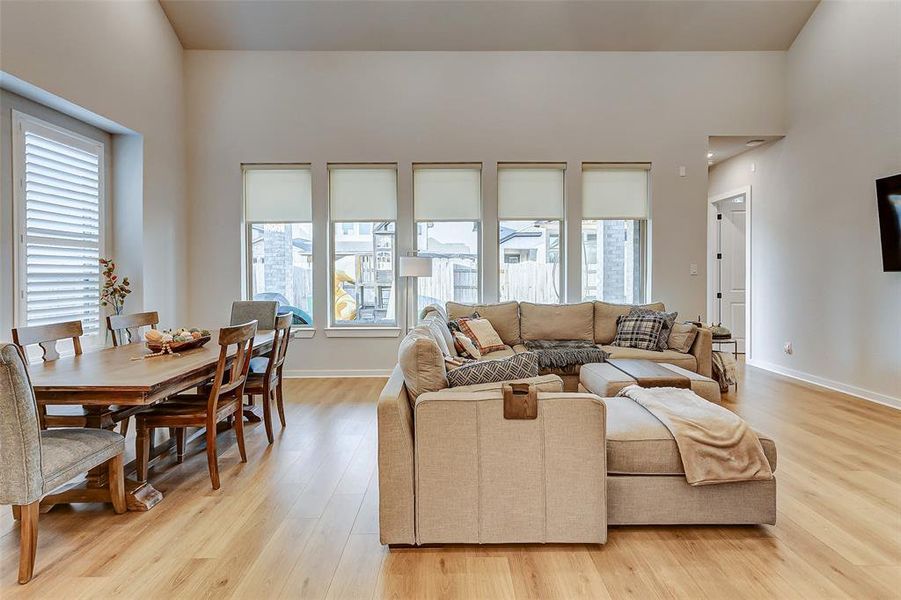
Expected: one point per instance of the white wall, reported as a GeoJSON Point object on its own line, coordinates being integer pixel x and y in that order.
{"type": "Point", "coordinates": [486, 107]}
{"type": "Point", "coordinates": [817, 269]}
{"type": "Point", "coordinates": [122, 61]}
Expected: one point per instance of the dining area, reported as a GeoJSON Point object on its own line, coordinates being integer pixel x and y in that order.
{"type": "Point", "coordinates": [67, 412]}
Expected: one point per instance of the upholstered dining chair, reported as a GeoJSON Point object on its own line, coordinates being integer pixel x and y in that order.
{"type": "Point", "coordinates": [269, 383]}
{"type": "Point", "coordinates": [261, 311]}
{"type": "Point", "coordinates": [222, 401]}
{"type": "Point", "coordinates": [47, 336]}
{"type": "Point", "coordinates": [126, 329]}
{"type": "Point", "coordinates": [33, 462]}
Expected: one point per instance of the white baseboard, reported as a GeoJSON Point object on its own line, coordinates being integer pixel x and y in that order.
{"type": "Point", "coordinates": [837, 386]}
{"type": "Point", "coordinates": [301, 374]}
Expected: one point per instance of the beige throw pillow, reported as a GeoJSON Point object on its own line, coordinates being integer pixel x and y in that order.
{"type": "Point", "coordinates": [465, 346]}
{"type": "Point", "coordinates": [421, 362]}
{"type": "Point", "coordinates": [682, 337]}
{"type": "Point", "coordinates": [483, 335]}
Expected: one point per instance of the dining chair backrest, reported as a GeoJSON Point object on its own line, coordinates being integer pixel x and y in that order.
{"type": "Point", "coordinates": [126, 329]}
{"type": "Point", "coordinates": [21, 481]}
{"type": "Point", "coordinates": [46, 336]}
{"type": "Point", "coordinates": [241, 337]}
{"type": "Point", "coordinates": [280, 338]}
{"type": "Point", "coordinates": [261, 311]}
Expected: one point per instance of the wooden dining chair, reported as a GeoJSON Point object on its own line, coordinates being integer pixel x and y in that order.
{"type": "Point", "coordinates": [47, 336]}
{"type": "Point", "coordinates": [204, 410]}
{"type": "Point", "coordinates": [34, 462]}
{"type": "Point", "coordinates": [126, 329]}
{"type": "Point", "coordinates": [269, 384]}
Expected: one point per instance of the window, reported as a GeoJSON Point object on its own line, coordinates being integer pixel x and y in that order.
{"type": "Point", "coordinates": [530, 210]}
{"type": "Point", "coordinates": [447, 201]}
{"type": "Point", "coordinates": [362, 211]}
{"type": "Point", "coordinates": [615, 212]}
{"type": "Point", "coordinates": [59, 192]}
{"type": "Point", "coordinates": [278, 212]}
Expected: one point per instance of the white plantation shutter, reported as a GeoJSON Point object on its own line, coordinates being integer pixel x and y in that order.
{"type": "Point", "coordinates": [59, 220]}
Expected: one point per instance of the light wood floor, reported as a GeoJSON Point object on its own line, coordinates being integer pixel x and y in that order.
{"type": "Point", "coordinates": [301, 520]}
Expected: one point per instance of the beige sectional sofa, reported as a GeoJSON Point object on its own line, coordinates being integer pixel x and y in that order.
{"type": "Point", "coordinates": [453, 470]}
{"type": "Point", "coordinates": [516, 322]}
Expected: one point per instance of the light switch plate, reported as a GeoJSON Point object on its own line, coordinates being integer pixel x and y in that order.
{"type": "Point", "coordinates": [681, 171]}
{"type": "Point", "coordinates": [693, 269]}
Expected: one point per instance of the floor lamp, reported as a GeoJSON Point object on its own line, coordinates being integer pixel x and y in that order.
{"type": "Point", "coordinates": [412, 267]}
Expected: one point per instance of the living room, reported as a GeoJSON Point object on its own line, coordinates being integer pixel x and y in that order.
{"type": "Point", "coordinates": [374, 167]}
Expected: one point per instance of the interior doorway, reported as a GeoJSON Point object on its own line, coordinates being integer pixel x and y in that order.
{"type": "Point", "coordinates": [729, 265]}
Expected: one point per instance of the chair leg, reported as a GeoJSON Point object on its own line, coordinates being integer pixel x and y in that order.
{"type": "Point", "coordinates": [180, 445]}
{"type": "Point", "coordinates": [28, 540]}
{"type": "Point", "coordinates": [123, 427]}
{"type": "Point", "coordinates": [142, 449]}
{"type": "Point", "coordinates": [239, 433]}
{"type": "Point", "coordinates": [212, 461]}
{"type": "Point", "coordinates": [267, 413]}
{"type": "Point", "coordinates": [280, 400]}
{"type": "Point", "coordinates": [115, 473]}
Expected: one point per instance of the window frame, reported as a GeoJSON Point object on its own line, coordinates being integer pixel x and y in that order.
{"type": "Point", "coordinates": [247, 246]}
{"type": "Point", "coordinates": [21, 122]}
{"type": "Point", "coordinates": [337, 328]}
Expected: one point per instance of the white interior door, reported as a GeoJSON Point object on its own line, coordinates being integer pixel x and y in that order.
{"type": "Point", "coordinates": [731, 250]}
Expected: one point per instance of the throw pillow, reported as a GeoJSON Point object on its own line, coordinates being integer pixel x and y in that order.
{"type": "Point", "coordinates": [669, 321]}
{"type": "Point", "coordinates": [521, 366]}
{"type": "Point", "coordinates": [454, 324]}
{"type": "Point", "coordinates": [465, 347]}
{"type": "Point", "coordinates": [421, 363]}
{"type": "Point", "coordinates": [452, 362]}
{"type": "Point", "coordinates": [638, 331]}
{"type": "Point", "coordinates": [682, 337]}
{"type": "Point", "coordinates": [482, 334]}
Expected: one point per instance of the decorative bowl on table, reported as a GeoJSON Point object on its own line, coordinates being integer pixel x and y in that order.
{"type": "Point", "coordinates": [169, 341]}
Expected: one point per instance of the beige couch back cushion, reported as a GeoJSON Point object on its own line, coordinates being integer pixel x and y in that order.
{"type": "Point", "coordinates": [422, 363]}
{"type": "Point", "coordinates": [605, 315]}
{"type": "Point", "coordinates": [504, 317]}
{"type": "Point", "coordinates": [556, 321]}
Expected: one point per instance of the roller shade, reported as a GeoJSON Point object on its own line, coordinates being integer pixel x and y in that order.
{"type": "Point", "coordinates": [278, 195]}
{"type": "Point", "coordinates": [364, 193]}
{"type": "Point", "coordinates": [614, 192]}
{"type": "Point", "coordinates": [529, 192]}
{"type": "Point", "coordinates": [447, 193]}
{"type": "Point", "coordinates": [62, 181]}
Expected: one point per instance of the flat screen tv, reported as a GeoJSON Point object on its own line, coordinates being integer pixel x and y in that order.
{"type": "Point", "coordinates": [888, 197]}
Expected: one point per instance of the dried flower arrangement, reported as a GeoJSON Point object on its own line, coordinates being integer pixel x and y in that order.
{"type": "Point", "coordinates": [114, 291]}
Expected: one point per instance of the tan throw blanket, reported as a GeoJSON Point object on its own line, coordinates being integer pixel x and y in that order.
{"type": "Point", "coordinates": [715, 444]}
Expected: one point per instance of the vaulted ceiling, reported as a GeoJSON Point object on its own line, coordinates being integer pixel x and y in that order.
{"type": "Point", "coordinates": [503, 25]}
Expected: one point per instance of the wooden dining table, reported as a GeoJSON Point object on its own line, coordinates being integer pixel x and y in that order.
{"type": "Point", "coordinates": [110, 385]}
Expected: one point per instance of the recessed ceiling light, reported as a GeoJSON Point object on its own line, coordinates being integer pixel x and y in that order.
{"type": "Point", "coordinates": [710, 155]}
{"type": "Point", "coordinates": [752, 143]}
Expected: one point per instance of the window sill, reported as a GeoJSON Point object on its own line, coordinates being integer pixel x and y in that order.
{"type": "Point", "coordinates": [303, 332]}
{"type": "Point", "coordinates": [362, 332]}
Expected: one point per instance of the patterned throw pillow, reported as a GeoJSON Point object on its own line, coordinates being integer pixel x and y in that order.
{"type": "Point", "coordinates": [670, 320]}
{"type": "Point", "coordinates": [454, 324]}
{"type": "Point", "coordinates": [465, 347]}
{"type": "Point", "coordinates": [638, 331]}
{"type": "Point", "coordinates": [482, 334]}
{"type": "Point", "coordinates": [521, 366]}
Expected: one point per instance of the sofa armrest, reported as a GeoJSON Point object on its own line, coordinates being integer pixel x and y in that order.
{"type": "Point", "coordinates": [702, 350]}
{"type": "Point", "coordinates": [481, 478]}
{"type": "Point", "coordinates": [395, 425]}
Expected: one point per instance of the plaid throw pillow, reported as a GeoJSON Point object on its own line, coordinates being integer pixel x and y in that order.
{"type": "Point", "coordinates": [669, 321]}
{"type": "Point", "coordinates": [521, 366]}
{"type": "Point", "coordinates": [638, 331]}
{"type": "Point", "coordinates": [454, 324]}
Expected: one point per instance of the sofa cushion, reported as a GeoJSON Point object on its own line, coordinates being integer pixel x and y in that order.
{"type": "Point", "coordinates": [441, 334]}
{"type": "Point", "coordinates": [639, 444]}
{"type": "Point", "coordinates": [504, 317]}
{"type": "Point", "coordinates": [519, 366]}
{"type": "Point", "coordinates": [556, 321]}
{"type": "Point", "coordinates": [67, 453]}
{"type": "Point", "coordinates": [605, 315]}
{"type": "Point", "coordinates": [422, 362]}
{"type": "Point", "coordinates": [507, 352]}
{"type": "Point", "coordinates": [686, 361]}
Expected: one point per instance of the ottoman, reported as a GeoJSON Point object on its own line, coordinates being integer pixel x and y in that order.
{"type": "Point", "coordinates": [605, 380]}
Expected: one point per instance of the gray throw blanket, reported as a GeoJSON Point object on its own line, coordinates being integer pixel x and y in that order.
{"type": "Point", "coordinates": [563, 354]}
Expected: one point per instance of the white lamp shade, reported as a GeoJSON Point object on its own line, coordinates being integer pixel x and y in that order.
{"type": "Point", "coordinates": [415, 266]}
